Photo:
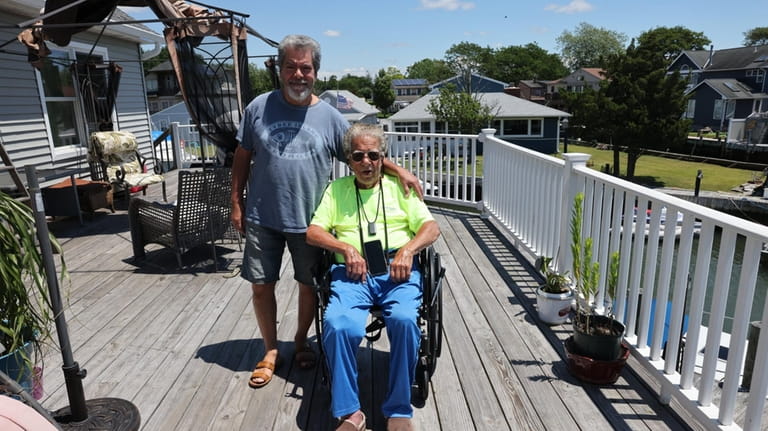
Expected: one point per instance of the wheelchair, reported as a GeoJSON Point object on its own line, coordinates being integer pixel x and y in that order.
{"type": "Point", "coordinates": [429, 319]}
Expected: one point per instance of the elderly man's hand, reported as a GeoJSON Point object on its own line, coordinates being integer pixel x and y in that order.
{"type": "Point", "coordinates": [355, 263]}
{"type": "Point", "coordinates": [400, 268]}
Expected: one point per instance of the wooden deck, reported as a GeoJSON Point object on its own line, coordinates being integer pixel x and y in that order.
{"type": "Point", "coordinates": [180, 344]}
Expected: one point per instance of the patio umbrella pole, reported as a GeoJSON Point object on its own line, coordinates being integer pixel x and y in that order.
{"type": "Point", "coordinates": [105, 413]}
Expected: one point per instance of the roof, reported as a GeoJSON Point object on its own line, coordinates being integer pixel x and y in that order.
{"type": "Point", "coordinates": [505, 106]}
{"type": "Point", "coordinates": [352, 107]}
{"type": "Point", "coordinates": [595, 71]}
{"type": "Point", "coordinates": [409, 82]}
{"type": "Point", "coordinates": [746, 57]}
{"type": "Point", "coordinates": [473, 77]}
{"type": "Point", "coordinates": [530, 83]}
{"type": "Point", "coordinates": [730, 89]}
{"type": "Point", "coordinates": [162, 67]}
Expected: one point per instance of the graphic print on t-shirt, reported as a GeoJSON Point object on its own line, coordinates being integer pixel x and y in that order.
{"type": "Point", "coordinates": [292, 140]}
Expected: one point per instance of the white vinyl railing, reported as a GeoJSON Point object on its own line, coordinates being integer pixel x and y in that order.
{"type": "Point", "coordinates": [184, 147]}
{"type": "Point", "coordinates": [681, 299]}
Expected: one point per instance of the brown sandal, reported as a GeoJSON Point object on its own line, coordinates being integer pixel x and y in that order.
{"type": "Point", "coordinates": [257, 374]}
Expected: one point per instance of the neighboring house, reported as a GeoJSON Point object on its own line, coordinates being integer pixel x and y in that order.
{"type": "Point", "coordinates": [519, 121]}
{"type": "Point", "coordinates": [724, 85]}
{"type": "Point", "coordinates": [353, 108]}
{"type": "Point", "coordinates": [162, 87]}
{"type": "Point", "coordinates": [548, 92]}
{"type": "Point", "coordinates": [533, 90]}
{"type": "Point", "coordinates": [408, 90]}
{"type": "Point", "coordinates": [475, 84]}
{"type": "Point", "coordinates": [45, 120]}
{"type": "Point", "coordinates": [177, 113]}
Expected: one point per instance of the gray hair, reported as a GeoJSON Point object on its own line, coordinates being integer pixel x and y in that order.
{"type": "Point", "coordinates": [302, 42]}
{"type": "Point", "coordinates": [363, 129]}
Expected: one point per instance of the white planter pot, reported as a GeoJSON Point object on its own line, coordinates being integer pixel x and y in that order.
{"type": "Point", "coordinates": [554, 308]}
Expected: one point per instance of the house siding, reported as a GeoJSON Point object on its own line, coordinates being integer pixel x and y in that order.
{"type": "Point", "coordinates": [21, 117]}
{"type": "Point", "coordinates": [22, 124]}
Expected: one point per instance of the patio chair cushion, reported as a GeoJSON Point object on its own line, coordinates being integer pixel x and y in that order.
{"type": "Point", "coordinates": [118, 153]}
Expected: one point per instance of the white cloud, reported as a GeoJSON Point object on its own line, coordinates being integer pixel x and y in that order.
{"type": "Point", "coordinates": [332, 33]}
{"type": "Point", "coordinates": [447, 4]}
{"type": "Point", "coordinates": [575, 6]}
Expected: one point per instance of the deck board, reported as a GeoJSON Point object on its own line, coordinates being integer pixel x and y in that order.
{"type": "Point", "coordinates": [180, 343]}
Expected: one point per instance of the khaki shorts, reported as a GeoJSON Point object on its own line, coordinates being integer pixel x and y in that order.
{"type": "Point", "coordinates": [263, 255]}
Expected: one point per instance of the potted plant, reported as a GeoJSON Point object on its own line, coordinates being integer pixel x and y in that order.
{"type": "Point", "coordinates": [554, 297]}
{"type": "Point", "coordinates": [25, 306]}
{"type": "Point", "coordinates": [596, 351]}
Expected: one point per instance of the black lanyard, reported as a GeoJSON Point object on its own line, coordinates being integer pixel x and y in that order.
{"type": "Point", "coordinates": [371, 226]}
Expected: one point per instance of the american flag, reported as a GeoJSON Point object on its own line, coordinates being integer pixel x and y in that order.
{"type": "Point", "coordinates": [342, 102]}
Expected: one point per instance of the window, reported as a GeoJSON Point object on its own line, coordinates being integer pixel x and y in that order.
{"type": "Point", "coordinates": [760, 75]}
{"type": "Point", "coordinates": [407, 127]}
{"type": "Point", "coordinates": [535, 127]}
{"type": "Point", "coordinates": [68, 119]}
{"type": "Point", "coordinates": [439, 126]}
{"type": "Point", "coordinates": [152, 84]}
{"type": "Point", "coordinates": [515, 127]}
{"type": "Point", "coordinates": [717, 113]}
{"type": "Point", "coordinates": [524, 127]}
{"type": "Point", "coordinates": [497, 125]}
{"type": "Point", "coordinates": [690, 109]}
{"type": "Point", "coordinates": [60, 99]}
{"type": "Point", "coordinates": [724, 109]}
{"type": "Point", "coordinates": [425, 127]}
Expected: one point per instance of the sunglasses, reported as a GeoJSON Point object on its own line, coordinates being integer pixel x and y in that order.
{"type": "Point", "coordinates": [357, 156]}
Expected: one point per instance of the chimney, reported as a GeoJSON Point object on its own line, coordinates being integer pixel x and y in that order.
{"type": "Point", "coordinates": [711, 53]}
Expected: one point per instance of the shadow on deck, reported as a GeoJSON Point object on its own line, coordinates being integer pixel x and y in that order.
{"type": "Point", "coordinates": [180, 344]}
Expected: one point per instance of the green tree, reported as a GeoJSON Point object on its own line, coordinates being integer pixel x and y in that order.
{"type": "Point", "coordinates": [589, 46]}
{"type": "Point", "coordinates": [669, 42]}
{"type": "Point", "coordinates": [647, 104]}
{"type": "Point", "coordinates": [462, 111]}
{"type": "Point", "coordinates": [260, 78]}
{"type": "Point", "coordinates": [356, 84]}
{"type": "Point", "coordinates": [383, 95]}
{"type": "Point", "coordinates": [162, 56]}
{"type": "Point", "coordinates": [756, 36]}
{"type": "Point", "coordinates": [466, 58]}
{"type": "Point", "coordinates": [514, 63]}
{"type": "Point", "coordinates": [432, 70]}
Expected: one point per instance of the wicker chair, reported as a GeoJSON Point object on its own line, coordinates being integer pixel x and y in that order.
{"type": "Point", "coordinates": [201, 214]}
{"type": "Point", "coordinates": [115, 158]}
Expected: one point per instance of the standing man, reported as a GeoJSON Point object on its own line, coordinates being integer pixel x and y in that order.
{"type": "Point", "coordinates": [288, 139]}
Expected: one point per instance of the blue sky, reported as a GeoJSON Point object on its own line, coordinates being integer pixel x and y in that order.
{"type": "Point", "coordinates": [360, 38]}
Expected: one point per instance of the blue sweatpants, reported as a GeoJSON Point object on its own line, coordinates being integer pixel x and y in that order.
{"type": "Point", "coordinates": [344, 329]}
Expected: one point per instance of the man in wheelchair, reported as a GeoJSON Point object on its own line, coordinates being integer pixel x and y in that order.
{"type": "Point", "coordinates": [379, 233]}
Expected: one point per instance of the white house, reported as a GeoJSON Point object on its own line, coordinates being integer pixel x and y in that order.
{"type": "Point", "coordinates": [46, 116]}
{"type": "Point", "coordinates": [353, 108]}
{"type": "Point", "coordinates": [516, 120]}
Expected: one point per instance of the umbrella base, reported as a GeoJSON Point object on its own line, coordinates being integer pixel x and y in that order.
{"type": "Point", "coordinates": [103, 414]}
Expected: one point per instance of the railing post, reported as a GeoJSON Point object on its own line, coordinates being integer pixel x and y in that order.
{"type": "Point", "coordinates": [483, 138]}
{"type": "Point", "coordinates": [176, 139]}
{"type": "Point", "coordinates": [570, 188]}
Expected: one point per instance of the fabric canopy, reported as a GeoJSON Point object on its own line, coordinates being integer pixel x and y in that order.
{"type": "Point", "coordinates": [214, 80]}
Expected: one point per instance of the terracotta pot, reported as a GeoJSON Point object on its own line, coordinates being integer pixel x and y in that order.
{"type": "Point", "coordinates": [594, 371]}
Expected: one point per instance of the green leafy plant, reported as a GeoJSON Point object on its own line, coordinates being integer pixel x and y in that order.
{"type": "Point", "coordinates": [554, 282]}
{"type": "Point", "coordinates": [25, 304]}
{"type": "Point", "coordinates": [586, 273]}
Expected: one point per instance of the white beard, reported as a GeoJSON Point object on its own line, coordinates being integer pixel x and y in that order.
{"type": "Point", "coordinates": [299, 96]}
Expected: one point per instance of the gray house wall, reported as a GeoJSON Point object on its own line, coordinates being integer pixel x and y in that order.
{"type": "Point", "coordinates": [22, 124]}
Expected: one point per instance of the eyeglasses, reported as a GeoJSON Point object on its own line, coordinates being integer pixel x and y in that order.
{"type": "Point", "coordinates": [357, 156]}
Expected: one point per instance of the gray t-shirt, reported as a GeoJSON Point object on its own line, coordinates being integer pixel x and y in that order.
{"type": "Point", "coordinates": [292, 154]}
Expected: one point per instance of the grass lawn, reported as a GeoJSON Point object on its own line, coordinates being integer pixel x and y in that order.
{"type": "Point", "coordinates": [652, 171]}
